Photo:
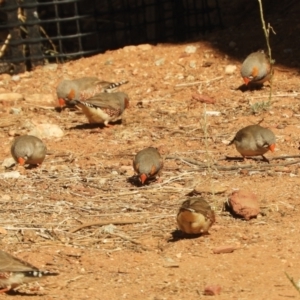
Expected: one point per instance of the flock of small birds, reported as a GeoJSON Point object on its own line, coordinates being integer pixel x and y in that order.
{"type": "Point", "coordinates": [102, 105]}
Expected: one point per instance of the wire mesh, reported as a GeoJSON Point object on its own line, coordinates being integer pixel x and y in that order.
{"type": "Point", "coordinates": [33, 32]}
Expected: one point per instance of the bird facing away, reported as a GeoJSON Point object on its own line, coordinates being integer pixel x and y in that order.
{"type": "Point", "coordinates": [15, 272]}
{"type": "Point", "coordinates": [256, 68]}
{"type": "Point", "coordinates": [103, 107]}
{"type": "Point", "coordinates": [195, 216]}
{"type": "Point", "coordinates": [148, 163]}
{"type": "Point", "coordinates": [83, 88]}
{"type": "Point", "coordinates": [28, 149]}
{"type": "Point", "coordinates": [254, 140]}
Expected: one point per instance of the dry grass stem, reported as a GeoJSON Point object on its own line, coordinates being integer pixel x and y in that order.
{"type": "Point", "coordinates": [198, 82]}
{"type": "Point", "coordinates": [102, 223]}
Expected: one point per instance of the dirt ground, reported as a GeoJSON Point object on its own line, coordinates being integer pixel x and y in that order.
{"type": "Point", "coordinates": [86, 175]}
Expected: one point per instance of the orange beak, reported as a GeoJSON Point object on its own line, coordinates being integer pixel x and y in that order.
{"type": "Point", "coordinates": [272, 147]}
{"type": "Point", "coordinates": [246, 80]}
{"type": "Point", "coordinates": [21, 161]}
{"type": "Point", "coordinates": [61, 102]}
{"type": "Point", "coordinates": [143, 178]}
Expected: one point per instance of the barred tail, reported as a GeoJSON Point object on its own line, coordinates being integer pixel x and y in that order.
{"type": "Point", "coordinates": [38, 274]}
{"type": "Point", "coordinates": [114, 85]}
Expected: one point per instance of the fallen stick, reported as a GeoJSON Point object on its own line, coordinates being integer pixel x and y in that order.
{"type": "Point", "coordinates": [197, 82]}
{"type": "Point", "coordinates": [102, 223]}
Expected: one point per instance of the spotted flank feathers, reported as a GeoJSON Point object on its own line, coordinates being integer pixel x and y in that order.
{"type": "Point", "coordinates": [114, 85]}
{"type": "Point", "coordinates": [111, 112]}
{"type": "Point", "coordinates": [101, 87]}
{"type": "Point", "coordinates": [104, 107]}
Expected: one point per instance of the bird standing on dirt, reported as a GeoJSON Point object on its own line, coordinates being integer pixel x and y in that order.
{"type": "Point", "coordinates": [256, 68]}
{"type": "Point", "coordinates": [83, 88]}
{"type": "Point", "coordinates": [15, 272]}
{"type": "Point", "coordinates": [28, 149]}
{"type": "Point", "coordinates": [254, 140]}
{"type": "Point", "coordinates": [195, 216]}
{"type": "Point", "coordinates": [103, 107]}
{"type": "Point", "coordinates": [148, 163]}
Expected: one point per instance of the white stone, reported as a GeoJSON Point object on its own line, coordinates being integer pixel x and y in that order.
{"type": "Point", "coordinates": [15, 110]}
{"type": "Point", "coordinates": [190, 49]}
{"type": "Point", "coordinates": [193, 64]}
{"type": "Point", "coordinates": [8, 162]}
{"type": "Point", "coordinates": [6, 197]}
{"type": "Point", "coordinates": [129, 48]}
{"type": "Point", "coordinates": [230, 69]}
{"type": "Point", "coordinates": [179, 76]}
{"type": "Point", "coordinates": [160, 62]}
{"type": "Point", "coordinates": [144, 47]}
{"type": "Point", "coordinates": [8, 175]}
{"type": "Point", "coordinates": [190, 78]}
{"type": "Point", "coordinates": [47, 131]}
{"type": "Point", "coordinates": [50, 67]}
{"type": "Point", "coordinates": [11, 97]}
{"type": "Point", "coordinates": [108, 229]}
{"type": "Point", "coordinates": [15, 78]}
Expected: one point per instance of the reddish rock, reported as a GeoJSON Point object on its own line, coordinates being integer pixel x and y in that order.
{"type": "Point", "coordinates": [212, 290]}
{"type": "Point", "coordinates": [244, 204]}
{"type": "Point", "coordinates": [203, 98]}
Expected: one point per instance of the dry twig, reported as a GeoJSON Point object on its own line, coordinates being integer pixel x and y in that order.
{"type": "Point", "coordinates": [292, 281]}
{"type": "Point", "coordinates": [267, 36]}
{"type": "Point", "coordinates": [198, 82]}
{"type": "Point", "coordinates": [102, 223]}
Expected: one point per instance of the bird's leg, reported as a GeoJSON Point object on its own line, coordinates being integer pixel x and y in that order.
{"type": "Point", "coordinates": [159, 179]}
{"type": "Point", "coordinates": [265, 159]}
{"type": "Point", "coordinates": [108, 125]}
{"type": "Point", "coordinates": [5, 290]}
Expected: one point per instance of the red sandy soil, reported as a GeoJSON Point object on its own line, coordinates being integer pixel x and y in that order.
{"type": "Point", "coordinates": [86, 178]}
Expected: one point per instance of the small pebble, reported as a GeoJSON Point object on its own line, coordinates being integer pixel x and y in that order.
{"type": "Point", "coordinates": [144, 47]}
{"type": "Point", "coordinates": [230, 69]}
{"type": "Point", "coordinates": [160, 62]}
{"type": "Point", "coordinates": [15, 111]}
{"type": "Point", "coordinates": [281, 126]}
{"type": "Point", "coordinates": [6, 198]}
{"type": "Point", "coordinates": [190, 49]}
{"type": "Point", "coordinates": [8, 175]}
{"type": "Point", "coordinates": [12, 133]}
{"type": "Point", "coordinates": [50, 67]}
{"type": "Point", "coordinates": [8, 162]}
{"type": "Point", "coordinates": [212, 290]}
{"type": "Point", "coordinates": [15, 78]}
{"type": "Point", "coordinates": [190, 78]}
{"type": "Point", "coordinates": [193, 64]}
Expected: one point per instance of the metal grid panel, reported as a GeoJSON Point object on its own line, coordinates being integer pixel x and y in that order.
{"type": "Point", "coordinates": [32, 31]}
